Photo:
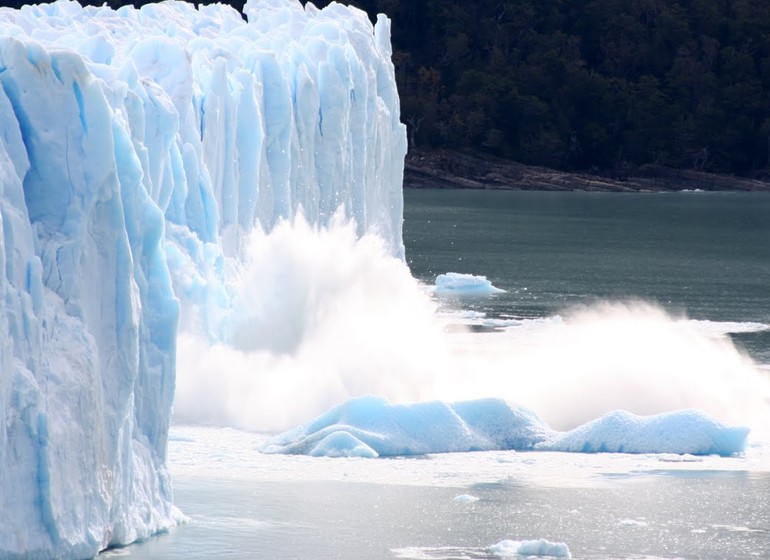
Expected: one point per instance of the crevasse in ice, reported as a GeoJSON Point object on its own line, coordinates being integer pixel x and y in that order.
{"type": "Point", "coordinates": [138, 148]}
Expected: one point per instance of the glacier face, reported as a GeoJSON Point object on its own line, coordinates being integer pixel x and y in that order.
{"type": "Point", "coordinates": [138, 149]}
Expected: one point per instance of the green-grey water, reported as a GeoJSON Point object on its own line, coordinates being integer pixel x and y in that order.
{"type": "Point", "coordinates": [659, 516]}
{"type": "Point", "coordinates": [706, 255]}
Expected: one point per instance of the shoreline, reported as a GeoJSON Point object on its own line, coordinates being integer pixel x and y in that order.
{"type": "Point", "coordinates": [447, 169]}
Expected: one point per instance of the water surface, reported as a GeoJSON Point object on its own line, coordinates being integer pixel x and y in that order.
{"type": "Point", "coordinates": [706, 255]}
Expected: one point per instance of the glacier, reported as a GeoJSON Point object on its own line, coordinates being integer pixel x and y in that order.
{"type": "Point", "coordinates": [138, 150]}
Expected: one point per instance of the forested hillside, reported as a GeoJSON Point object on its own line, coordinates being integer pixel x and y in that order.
{"type": "Point", "coordinates": [590, 85]}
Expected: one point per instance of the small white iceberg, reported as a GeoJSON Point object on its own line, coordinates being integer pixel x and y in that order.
{"type": "Point", "coordinates": [455, 283]}
{"type": "Point", "coordinates": [466, 499]}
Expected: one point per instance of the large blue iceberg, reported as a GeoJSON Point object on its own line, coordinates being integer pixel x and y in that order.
{"type": "Point", "coordinates": [138, 148]}
{"type": "Point", "coordinates": [372, 427]}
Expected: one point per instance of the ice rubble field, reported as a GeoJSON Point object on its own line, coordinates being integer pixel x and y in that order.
{"type": "Point", "coordinates": [139, 148]}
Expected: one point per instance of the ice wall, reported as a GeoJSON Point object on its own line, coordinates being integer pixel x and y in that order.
{"type": "Point", "coordinates": [138, 148]}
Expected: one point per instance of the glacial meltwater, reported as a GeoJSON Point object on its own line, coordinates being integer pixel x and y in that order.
{"type": "Point", "coordinates": [703, 254]}
{"type": "Point", "coordinates": [647, 303]}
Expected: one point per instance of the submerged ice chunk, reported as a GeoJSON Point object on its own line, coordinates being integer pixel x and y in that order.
{"type": "Point", "coordinates": [538, 548]}
{"type": "Point", "coordinates": [466, 499]}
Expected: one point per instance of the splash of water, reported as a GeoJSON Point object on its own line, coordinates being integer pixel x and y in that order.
{"type": "Point", "coordinates": [320, 316]}
{"type": "Point", "coordinates": [623, 355]}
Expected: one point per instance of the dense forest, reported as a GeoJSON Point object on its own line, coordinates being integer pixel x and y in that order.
{"type": "Point", "coordinates": [594, 85]}
{"type": "Point", "coordinates": [588, 84]}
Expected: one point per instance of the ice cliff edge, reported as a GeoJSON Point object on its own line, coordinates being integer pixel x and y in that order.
{"type": "Point", "coordinates": [136, 146]}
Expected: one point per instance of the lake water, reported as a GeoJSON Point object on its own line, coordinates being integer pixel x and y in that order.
{"type": "Point", "coordinates": [701, 260]}
{"type": "Point", "coordinates": [705, 254]}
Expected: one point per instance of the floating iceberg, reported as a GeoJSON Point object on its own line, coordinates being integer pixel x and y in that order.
{"type": "Point", "coordinates": [456, 283]}
{"type": "Point", "coordinates": [683, 432]}
{"type": "Point", "coordinates": [372, 427]}
{"type": "Point", "coordinates": [535, 548]}
{"type": "Point", "coordinates": [138, 149]}
{"type": "Point", "coordinates": [466, 499]}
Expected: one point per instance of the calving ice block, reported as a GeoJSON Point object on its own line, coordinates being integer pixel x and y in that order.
{"type": "Point", "coordinates": [372, 427]}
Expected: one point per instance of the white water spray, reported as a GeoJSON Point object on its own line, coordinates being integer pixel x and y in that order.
{"type": "Point", "coordinates": [320, 316]}
{"type": "Point", "coordinates": [625, 355]}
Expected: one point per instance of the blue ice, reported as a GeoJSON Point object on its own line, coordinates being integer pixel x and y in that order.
{"type": "Point", "coordinates": [371, 427]}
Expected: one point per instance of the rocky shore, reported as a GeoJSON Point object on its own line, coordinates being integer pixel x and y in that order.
{"type": "Point", "coordinates": [446, 169]}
